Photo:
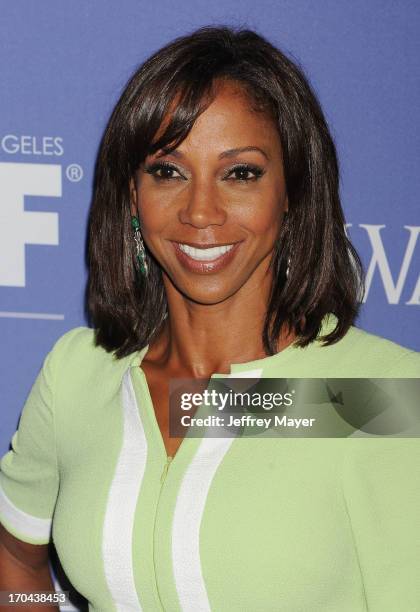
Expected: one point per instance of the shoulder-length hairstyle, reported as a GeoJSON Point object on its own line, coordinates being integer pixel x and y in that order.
{"type": "Point", "coordinates": [325, 273]}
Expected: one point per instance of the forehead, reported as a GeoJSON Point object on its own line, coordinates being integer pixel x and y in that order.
{"type": "Point", "coordinates": [233, 107]}
{"type": "Point", "coordinates": [231, 118]}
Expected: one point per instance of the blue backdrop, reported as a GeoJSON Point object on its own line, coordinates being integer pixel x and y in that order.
{"type": "Point", "coordinates": [63, 66]}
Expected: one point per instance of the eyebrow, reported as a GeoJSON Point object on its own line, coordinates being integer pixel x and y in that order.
{"type": "Point", "coordinates": [228, 153]}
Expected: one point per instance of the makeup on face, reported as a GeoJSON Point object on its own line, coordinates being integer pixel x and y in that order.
{"type": "Point", "coordinates": [212, 207]}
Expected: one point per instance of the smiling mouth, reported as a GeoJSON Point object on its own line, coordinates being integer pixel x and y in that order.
{"type": "Point", "coordinates": [205, 253]}
{"type": "Point", "coordinates": [207, 259]}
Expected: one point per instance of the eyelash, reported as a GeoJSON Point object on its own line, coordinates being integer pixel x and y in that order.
{"type": "Point", "coordinates": [153, 169]}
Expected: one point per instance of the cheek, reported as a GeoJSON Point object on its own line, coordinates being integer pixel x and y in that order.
{"type": "Point", "coordinates": [153, 208]}
{"type": "Point", "coordinates": [260, 213]}
{"type": "Point", "coordinates": [259, 210]}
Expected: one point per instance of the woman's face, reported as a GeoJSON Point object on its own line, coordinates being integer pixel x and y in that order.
{"type": "Point", "coordinates": [211, 210]}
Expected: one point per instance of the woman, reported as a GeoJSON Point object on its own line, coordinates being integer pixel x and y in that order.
{"type": "Point", "coordinates": [217, 247]}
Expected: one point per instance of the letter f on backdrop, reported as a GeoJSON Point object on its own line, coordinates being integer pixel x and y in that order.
{"type": "Point", "coordinates": [19, 227]}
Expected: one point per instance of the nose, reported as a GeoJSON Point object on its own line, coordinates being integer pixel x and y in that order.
{"type": "Point", "coordinates": [202, 206]}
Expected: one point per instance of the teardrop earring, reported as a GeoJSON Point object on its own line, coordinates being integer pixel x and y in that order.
{"type": "Point", "coordinates": [139, 246]}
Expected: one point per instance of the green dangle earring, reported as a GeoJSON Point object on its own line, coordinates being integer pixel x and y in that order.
{"type": "Point", "coordinates": [140, 251]}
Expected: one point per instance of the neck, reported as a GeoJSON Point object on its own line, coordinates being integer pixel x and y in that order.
{"type": "Point", "coordinates": [199, 339]}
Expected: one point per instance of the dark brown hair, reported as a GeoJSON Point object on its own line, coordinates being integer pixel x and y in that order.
{"type": "Point", "coordinates": [326, 273]}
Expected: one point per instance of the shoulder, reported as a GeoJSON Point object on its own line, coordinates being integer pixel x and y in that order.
{"type": "Point", "coordinates": [77, 343]}
{"type": "Point", "coordinates": [388, 357]}
{"type": "Point", "coordinates": [76, 352]}
{"type": "Point", "coordinates": [363, 354]}
{"type": "Point", "coordinates": [75, 337]}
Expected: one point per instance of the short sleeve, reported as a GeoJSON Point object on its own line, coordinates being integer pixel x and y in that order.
{"type": "Point", "coordinates": [381, 486]}
{"type": "Point", "coordinates": [28, 472]}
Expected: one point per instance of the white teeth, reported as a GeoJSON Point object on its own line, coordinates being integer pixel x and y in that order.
{"type": "Point", "coordinates": [205, 254]}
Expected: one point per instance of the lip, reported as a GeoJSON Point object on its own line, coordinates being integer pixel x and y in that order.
{"type": "Point", "coordinates": [205, 267]}
{"type": "Point", "coordinates": [207, 245]}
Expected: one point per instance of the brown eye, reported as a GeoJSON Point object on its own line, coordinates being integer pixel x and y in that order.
{"type": "Point", "coordinates": [244, 173]}
{"type": "Point", "coordinates": [163, 171]}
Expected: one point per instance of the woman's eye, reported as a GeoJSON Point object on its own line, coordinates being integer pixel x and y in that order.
{"type": "Point", "coordinates": [244, 173]}
{"type": "Point", "coordinates": [163, 171]}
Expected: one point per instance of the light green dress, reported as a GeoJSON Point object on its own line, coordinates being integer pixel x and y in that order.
{"type": "Point", "coordinates": [229, 525]}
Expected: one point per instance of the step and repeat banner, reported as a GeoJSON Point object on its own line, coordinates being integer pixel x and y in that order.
{"type": "Point", "coordinates": [63, 66]}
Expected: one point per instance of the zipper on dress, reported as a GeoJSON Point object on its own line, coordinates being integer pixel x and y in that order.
{"type": "Point", "coordinates": [165, 468]}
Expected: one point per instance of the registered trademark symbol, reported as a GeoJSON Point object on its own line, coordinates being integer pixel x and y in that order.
{"type": "Point", "coordinates": [74, 173]}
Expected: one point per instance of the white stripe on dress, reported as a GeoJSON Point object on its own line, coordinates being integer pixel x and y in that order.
{"type": "Point", "coordinates": [188, 514]}
{"type": "Point", "coordinates": [26, 525]}
{"type": "Point", "coordinates": [122, 500]}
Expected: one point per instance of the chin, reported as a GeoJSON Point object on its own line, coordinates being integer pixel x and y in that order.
{"type": "Point", "coordinates": [207, 295]}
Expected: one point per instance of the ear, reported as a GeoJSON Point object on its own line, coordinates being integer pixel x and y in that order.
{"type": "Point", "coordinates": [133, 198]}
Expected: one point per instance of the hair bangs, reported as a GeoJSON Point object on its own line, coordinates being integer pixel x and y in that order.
{"type": "Point", "coordinates": [164, 123]}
